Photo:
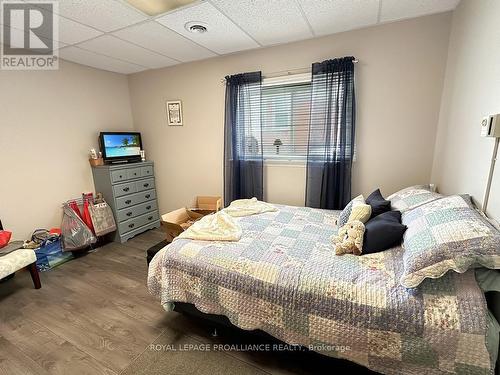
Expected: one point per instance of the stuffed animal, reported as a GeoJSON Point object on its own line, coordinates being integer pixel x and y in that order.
{"type": "Point", "coordinates": [350, 238]}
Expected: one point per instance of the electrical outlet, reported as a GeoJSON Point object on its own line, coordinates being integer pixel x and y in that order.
{"type": "Point", "coordinates": [490, 126]}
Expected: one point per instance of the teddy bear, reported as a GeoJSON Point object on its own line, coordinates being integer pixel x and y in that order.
{"type": "Point", "coordinates": [350, 238]}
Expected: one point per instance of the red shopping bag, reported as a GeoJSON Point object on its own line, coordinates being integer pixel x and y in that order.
{"type": "Point", "coordinates": [4, 237]}
{"type": "Point", "coordinates": [75, 208]}
{"type": "Point", "coordinates": [86, 216]}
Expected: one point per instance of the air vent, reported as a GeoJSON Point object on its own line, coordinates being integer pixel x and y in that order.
{"type": "Point", "coordinates": [196, 27]}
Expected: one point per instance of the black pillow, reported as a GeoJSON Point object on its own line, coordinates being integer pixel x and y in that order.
{"type": "Point", "coordinates": [378, 203]}
{"type": "Point", "coordinates": [383, 232]}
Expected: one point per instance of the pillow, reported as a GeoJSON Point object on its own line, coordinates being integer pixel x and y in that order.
{"type": "Point", "coordinates": [412, 197]}
{"type": "Point", "coordinates": [447, 234]}
{"type": "Point", "coordinates": [378, 204]}
{"type": "Point", "coordinates": [383, 232]}
{"type": "Point", "coordinates": [356, 209]}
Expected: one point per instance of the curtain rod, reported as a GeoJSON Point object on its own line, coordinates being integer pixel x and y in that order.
{"type": "Point", "coordinates": [287, 72]}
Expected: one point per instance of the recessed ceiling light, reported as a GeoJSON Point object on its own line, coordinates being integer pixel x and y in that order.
{"type": "Point", "coordinates": [155, 7]}
{"type": "Point", "coordinates": [196, 27]}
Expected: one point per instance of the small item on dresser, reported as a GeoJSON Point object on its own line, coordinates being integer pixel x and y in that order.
{"type": "Point", "coordinates": [96, 162]}
{"type": "Point", "coordinates": [95, 158]}
{"type": "Point", "coordinates": [143, 155]}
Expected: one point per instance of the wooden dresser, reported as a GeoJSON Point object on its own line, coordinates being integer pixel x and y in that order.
{"type": "Point", "coordinates": [130, 191]}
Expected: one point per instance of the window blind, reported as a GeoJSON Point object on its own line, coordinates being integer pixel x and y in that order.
{"type": "Point", "coordinates": [285, 120]}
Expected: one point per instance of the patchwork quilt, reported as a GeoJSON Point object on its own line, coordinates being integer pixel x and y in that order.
{"type": "Point", "coordinates": [283, 277]}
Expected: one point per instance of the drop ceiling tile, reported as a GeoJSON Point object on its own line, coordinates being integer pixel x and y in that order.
{"type": "Point", "coordinates": [392, 10]}
{"type": "Point", "coordinates": [71, 32]}
{"type": "Point", "coordinates": [223, 35]}
{"type": "Point", "coordinates": [18, 35]}
{"type": "Point", "coordinates": [268, 22]}
{"type": "Point", "coordinates": [156, 37]}
{"type": "Point", "coordinates": [81, 56]}
{"type": "Point", "coordinates": [104, 15]}
{"type": "Point", "coordinates": [113, 47]}
{"type": "Point", "coordinates": [332, 16]}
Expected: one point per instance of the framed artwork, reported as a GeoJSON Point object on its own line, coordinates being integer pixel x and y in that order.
{"type": "Point", "coordinates": [174, 113]}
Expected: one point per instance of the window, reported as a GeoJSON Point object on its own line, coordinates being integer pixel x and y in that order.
{"type": "Point", "coordinates": [285, 105]}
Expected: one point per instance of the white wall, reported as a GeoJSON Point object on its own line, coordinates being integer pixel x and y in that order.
{"type": "Point", "coordinates": [399, 84]}
{"type": "Point", "coordinates": [471, 91]}
{"type": "Point", "coordinates": [285, 183]}
{"type": "Point", "coordinates": [48, 122]}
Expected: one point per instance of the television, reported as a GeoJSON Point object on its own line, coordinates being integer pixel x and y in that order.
{"type": "Point", "coordinates": [120, 147]}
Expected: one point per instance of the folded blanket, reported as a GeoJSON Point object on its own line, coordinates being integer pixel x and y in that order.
{"type": "Point", "coordinates": [216, 227]}
{"type": "Point", "coordinates": [247, 207]}
{"type": "Point", "coordinates": [222, 226]}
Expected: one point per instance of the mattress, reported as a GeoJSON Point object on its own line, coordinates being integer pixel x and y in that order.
{"type": "Point", "coordinates": [283, 277]}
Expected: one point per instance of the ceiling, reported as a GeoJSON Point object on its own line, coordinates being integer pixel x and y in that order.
{"type": "Point", "coordinates": [114, 36]}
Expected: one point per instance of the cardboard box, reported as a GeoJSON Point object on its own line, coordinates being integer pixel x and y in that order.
{"type": "Point", "coordinates": [207, 205]}
{"type": "Point", "coordinates": [176, 222]}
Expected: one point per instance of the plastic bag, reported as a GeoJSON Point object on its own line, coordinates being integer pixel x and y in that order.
{"type": "Point", "coordinates": [75, 233]}
{"type": "Point", "coordinates": [102, 218]}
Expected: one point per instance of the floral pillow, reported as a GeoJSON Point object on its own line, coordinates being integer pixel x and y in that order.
{"type": "Point", "coordinates": [447, 234]}
{"type": "Point", "coordinates": [412, 197]}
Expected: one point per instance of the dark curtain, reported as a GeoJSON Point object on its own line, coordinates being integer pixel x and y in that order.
{"type": "Point", "coordinates": [331, 134]}
{"type": "Point", "coordinates": [243, 159]}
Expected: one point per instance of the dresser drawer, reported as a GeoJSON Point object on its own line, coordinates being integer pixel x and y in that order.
{"type": "Point", "coordinates": [133, 199]}
{"type": "Point", "coordinates": [148, 183]}
{"type": "Point", "coordinates": [133, 173]}
{"type": "Point", "coordinates": [119, 175]}
{"type": "Point", "coordinates": [124, 189]}
{"type": "Point", "coordinates": [137, 222]}
{"type": "Point", "coordinates": [140, 209]}
{"type": "Point", "coordinates": [146, 171]}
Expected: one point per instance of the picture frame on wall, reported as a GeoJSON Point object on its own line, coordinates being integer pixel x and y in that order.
{"type": "Point", "coordinates": [174, 113]}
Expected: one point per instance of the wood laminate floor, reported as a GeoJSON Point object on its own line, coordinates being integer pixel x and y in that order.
{"type": "Point", "coordinates": [94, 315]}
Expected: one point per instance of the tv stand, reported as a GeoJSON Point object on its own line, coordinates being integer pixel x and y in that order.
{"type": "Point", "coordinates": [121, 162]}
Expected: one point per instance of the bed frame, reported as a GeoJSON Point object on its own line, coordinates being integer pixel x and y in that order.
{"type": "Point", "coordinates": [220, 323]}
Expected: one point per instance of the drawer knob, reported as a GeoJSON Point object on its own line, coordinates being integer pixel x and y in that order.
{"type": "Point", "coordinates": [150, 218]}
{"type": "Point", "coordinates": [148, 207]}
{"type": "Point", "coordinates": [135, 174]}
{"type": "Point", "coordinates": [146, 185]}
{"type": "Point", "coordinates": [148, 196]}
{"type": "Point", "coordinates": [131, 225]}
{"type": "Point", "coordinates": [128, 201]}
{"type": "Point", "coordinates": [126, 189]}
{"type": "Point", "coordinates": [121, 176]}
{"type": "Point", "coordinates": [129, 213]}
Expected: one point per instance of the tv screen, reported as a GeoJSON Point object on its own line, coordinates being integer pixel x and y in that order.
{"type": "Point", "coordinates": [121, 146]}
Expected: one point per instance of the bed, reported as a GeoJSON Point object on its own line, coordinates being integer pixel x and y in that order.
{"type": "Point", "coordinates": [282, 278]}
